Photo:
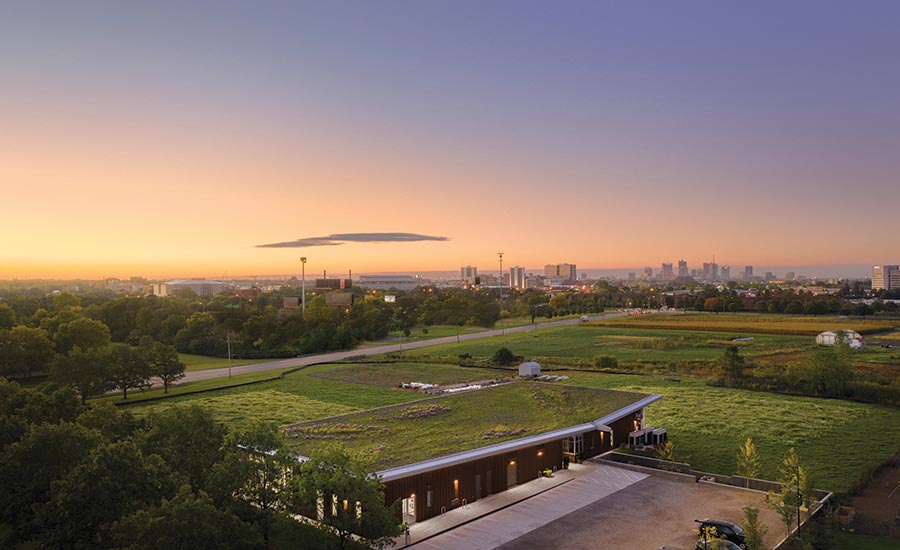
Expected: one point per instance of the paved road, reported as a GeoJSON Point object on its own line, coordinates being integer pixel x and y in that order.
{"type": "Point", "coordinates": [306, 360]}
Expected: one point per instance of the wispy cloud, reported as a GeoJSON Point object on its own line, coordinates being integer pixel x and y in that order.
{"type": "Point", "coordinates": [341, 238]}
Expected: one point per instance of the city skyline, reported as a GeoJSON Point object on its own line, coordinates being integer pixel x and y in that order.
{"type": "Point", "coordinates": [142, 139]}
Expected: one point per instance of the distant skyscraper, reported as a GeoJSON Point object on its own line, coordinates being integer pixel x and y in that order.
{"type": "Point", "coordinates": [561, 272]}
{"type": "Point", "coordinates": [710, 271]}
{"type": "Point", "coordinates": [885, 277]}
{"type": "Point", "coordinates": [468, 274]}
{"type": "Point", "coordinates": [726, 273]}
{"type": "Point", "coordinates": [517, 277]}
{"type": "Point", "coordinates": [789, 276]}
{"type": "Point", "coordinates": [748, 272]}
{"type": "Point", "coordinates": [631, 275]}
{"type": "Point", "coordinates": [683, 269]}
{"type": "Point", "coordinates": [648, 273]}
{"type": "Point", "coordinates": [666, 273]}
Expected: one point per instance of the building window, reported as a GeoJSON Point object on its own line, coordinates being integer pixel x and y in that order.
{"type": "Point", "coordinates": [574, 444]}
{"type": "Point", "coordinates": [455, 489]}
{"type": "Point", "coordinates": [428, 496]}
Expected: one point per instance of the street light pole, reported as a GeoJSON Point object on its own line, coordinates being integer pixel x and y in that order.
{"type": "Point", "coordinates": [303, 283]}
{"type": "Point", "coordinates": [500, 254]}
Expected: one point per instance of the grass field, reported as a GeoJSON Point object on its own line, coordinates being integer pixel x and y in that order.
{"type": "Point", "coordinates": [189, 387]}
{"type": "Point", "coordinates": [855, 541]}
{"type": "Point", "coordinates": [202, 362]}
{"type": "Point", "coordinates": [750, 323]}
{"type": "Point", "coordinates": [837, 440]}
{"type": "Point", "coordinates": [315, 392]}
{"type": "Point", "coordinates": [652, 345]}
{"type": "Point", "coordinates": [409, 433]}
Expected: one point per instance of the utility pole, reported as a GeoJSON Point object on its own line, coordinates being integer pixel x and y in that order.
{"type": "Point", "coordinates": [228, 336]}
{"type": "Point", "coordinates": [500, 254]}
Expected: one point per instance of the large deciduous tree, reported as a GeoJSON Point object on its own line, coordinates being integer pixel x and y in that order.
{"type": "Point", "coordinates": [162, 361]}
{"type": "Point", "coordinates": [128, 368]}
{"type": "Point", "coordinates": [81, 333]}
{"type": "Point", "coordinates": [88, 371]}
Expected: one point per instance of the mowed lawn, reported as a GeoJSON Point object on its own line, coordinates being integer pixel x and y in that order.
{"type": "Point", "coordinates": [752, 323]}
{"type": "Point", "coordinates": [587, 342]}
{"type": "Point", "coordinates": [837, 440]}
{"type": "Point", "coordinates": [203, 362]}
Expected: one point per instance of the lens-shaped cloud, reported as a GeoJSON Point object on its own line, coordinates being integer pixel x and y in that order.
{"type": "Point", "coordinates": [341, 238]}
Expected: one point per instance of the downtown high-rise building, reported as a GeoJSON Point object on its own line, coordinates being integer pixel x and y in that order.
{"type": "Point", "coordinates": [886, 277]}
{"type": "Point", "coordinates": [726, 273]}
{"type": "Point", "coordinates": [683, 269]}
{"type": "Point", "coordinates": [468, 274]}
{"type": "Point", "coordinates": [517, 277]}
{"type": "Point", "coordinates": [561, 272]}
{"type": "Point", "coordinates": [748, 272]}
{"type": "Point", "coordinates": [666, 273]}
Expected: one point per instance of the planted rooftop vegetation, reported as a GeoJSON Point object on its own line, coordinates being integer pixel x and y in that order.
{"type": "Point", "coordinates": [430, 428]}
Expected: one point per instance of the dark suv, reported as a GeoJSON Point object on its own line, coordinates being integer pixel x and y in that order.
{"type": "Point", "coordinates": [724, 530]}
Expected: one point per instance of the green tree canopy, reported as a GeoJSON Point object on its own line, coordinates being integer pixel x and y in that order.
{"type": "Point", "coordinates": [350, 498]}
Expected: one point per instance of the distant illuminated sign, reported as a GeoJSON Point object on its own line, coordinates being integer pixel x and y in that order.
{"type": "Point", "coordinates": [390, 298]}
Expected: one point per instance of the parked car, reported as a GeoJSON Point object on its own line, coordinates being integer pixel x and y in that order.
{"type": "Point", "coordinates": [717, 544]}
{"type": "Point", "coordinates": [727, 530]}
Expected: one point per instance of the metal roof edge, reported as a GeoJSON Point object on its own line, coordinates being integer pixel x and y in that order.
{"type": "Point", "coordinates": [391, 474]}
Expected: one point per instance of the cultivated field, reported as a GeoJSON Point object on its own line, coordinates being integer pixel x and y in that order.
{"type": "Point", "coordinates": [749, 323]}
{"type": "Point", "coordinates": [626, 345]}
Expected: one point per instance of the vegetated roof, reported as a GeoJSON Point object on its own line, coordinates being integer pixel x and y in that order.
{"type": "Point", "coordinates": [450, 428]}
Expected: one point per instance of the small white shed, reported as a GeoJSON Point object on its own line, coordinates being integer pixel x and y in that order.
{"type": "Point", "coordinates": [530, 368]}
{"type": "Point", "coordinates": [829, 338]}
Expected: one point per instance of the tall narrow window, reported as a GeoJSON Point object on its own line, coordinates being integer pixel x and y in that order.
{"type": "Point", "coordinates": [455, 489]}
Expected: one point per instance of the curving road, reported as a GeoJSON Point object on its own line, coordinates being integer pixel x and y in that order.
{"type": "Point", "coordinates": [307, 360]}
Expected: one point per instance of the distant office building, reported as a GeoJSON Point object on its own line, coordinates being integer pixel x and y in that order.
{"type": "Point", "coordinates": [710, 271]}
{"type": "Point", "coordinates": [534, 281]}
{"type": "Point", "coordinates": [333, 284]}
{"type": "Point", "coordinates": [647, 274]}
{"type": "Point", "coordinates": [666, 273]}
{"type": "Point", "coordinates": [517, 277]}
{"type": "Point", "coordinates": [561, 272]}
{"type": "Point", "coordinates": [683, 269]}
{"type": "Point", "coordinates": [789, 276]}
{"type": "Point", "coordinates": [468, 274]}
{"type": "Point", "coordinates": [201, 287]}
{"type": "Point", "coordinates": [632, 275]}
{"type": "Point", "coordinates": [386, 282]}
{"type": "Point", "coordinates": [769, 276]}
{"type": "Point", "coordinates": [748, 272]}
{"type": "Point", "coordinates": [726, 273]}
{"type": "Point", "coordinates": [885, 277]}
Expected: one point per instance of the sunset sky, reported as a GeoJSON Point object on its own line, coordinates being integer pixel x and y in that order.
{"type": "Point", "coordinates": [164, 140]}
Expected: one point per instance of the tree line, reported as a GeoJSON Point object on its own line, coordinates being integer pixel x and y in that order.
{"type": "Point", "coordinates": [97, 477]}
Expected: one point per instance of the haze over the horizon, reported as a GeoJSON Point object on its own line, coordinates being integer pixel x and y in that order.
{"type": "Point", "coordinates": [146, 138]}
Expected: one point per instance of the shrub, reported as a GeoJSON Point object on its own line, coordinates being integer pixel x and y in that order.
{"type": "Point", "coordinates": [504, 357]}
